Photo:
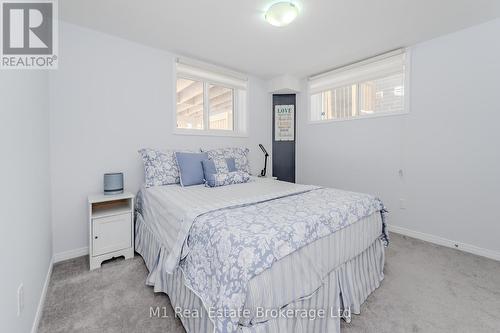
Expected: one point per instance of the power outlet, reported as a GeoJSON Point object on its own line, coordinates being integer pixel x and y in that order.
{"type": "Point", "coordinates": [20, 299]}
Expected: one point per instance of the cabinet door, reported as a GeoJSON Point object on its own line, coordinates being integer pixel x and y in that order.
{"type": "Point", "coordinates": [112, 233]}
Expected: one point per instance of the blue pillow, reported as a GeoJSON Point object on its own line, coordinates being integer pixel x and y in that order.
{"type": "Point", "coordinates": [190, 167]}
{"type": "Point", "coordinates": [208, 168]}
{"type": "Point", "coordinates": [231, 164]}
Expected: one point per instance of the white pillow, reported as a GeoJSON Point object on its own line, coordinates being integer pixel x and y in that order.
{"type": "Point", "coordinates": [228, 178]}
{"type": "Point", "coordinates": [160, 167]}
{"type": "Point", "coordinates": [240, 155]}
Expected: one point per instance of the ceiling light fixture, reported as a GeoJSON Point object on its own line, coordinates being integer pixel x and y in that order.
{"type": "Point", "coordinates": [281, 14]}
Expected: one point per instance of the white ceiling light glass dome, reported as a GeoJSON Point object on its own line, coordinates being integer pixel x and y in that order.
{"type": "Point", "coordinates": [281, 13]}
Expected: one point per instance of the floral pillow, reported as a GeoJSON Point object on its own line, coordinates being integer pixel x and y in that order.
{"type": "Point", "coordinates": [226, 178]}
{"type": "Point", "coordinates": [240, 156]}
{"type": "Point", "coordinates": [160, 167]}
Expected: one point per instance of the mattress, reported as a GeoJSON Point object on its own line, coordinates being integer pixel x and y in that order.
{"type": "Point", "coordinates": [295, 276]}
{"type": "Point", "coordinates": [346, 287]}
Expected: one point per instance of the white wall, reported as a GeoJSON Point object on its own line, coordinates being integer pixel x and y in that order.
{"type": "Point", "coordinates": [26, 245]}
{"type": "Point", "coordinates": [448, 146]}
{"type": "Point", "coordinates": [109, 98]}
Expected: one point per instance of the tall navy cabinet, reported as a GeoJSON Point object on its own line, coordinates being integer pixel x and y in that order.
{"type": "Point", "coordinates": [284, 151]}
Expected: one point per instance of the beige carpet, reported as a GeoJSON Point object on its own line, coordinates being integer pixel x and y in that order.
{"type": "Point", "coordinates": [427, 288]}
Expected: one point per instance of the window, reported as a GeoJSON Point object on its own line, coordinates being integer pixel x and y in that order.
{"type": "Point", "coordinates": [221, 107]}
{"type": "Point", "coordinates": [369, 88]}
{"type": "Point", "coordinates": [189, 104]}
{"type": "Point", "coordinates": [336, 103]}
{"type": "Point", "coordinates": [209, 102]}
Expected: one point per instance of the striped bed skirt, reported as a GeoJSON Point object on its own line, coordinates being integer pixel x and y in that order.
{"type": "Point", "coordinates": [343, 291]}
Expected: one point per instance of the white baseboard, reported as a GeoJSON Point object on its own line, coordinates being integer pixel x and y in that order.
{"type": "Point", "coordinates": [41, 302]}
{"type": "Point", "coordinates": [446, 242]}
{"type": "Point", "coordinates": [61, 256]}
{"type": "Point", "coordinates": [56, 258]}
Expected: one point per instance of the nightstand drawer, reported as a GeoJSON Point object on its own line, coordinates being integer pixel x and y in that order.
{"type": "Point", "coordinates": [111, 233]}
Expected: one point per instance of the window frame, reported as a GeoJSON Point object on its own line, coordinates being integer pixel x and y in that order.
{"type": "Point", "coordinates": [239, 128]}
{"type": "Point", "coordinates": [406, 87]}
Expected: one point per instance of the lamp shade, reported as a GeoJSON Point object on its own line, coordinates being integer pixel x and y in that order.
{"type": "Point", "coordinates": [281, 14]}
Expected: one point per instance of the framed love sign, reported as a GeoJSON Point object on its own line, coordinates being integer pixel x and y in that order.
{"type": "Point", "coordinates": [284, 122]}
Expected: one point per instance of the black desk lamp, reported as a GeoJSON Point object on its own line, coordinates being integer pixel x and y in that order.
{"type": "Point", "coordinates": [266, 155]}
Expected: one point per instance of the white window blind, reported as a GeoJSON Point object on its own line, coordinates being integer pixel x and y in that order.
{"type": "Point", "coordinates": [211, 73]}
{"type": "Point", "coordinates": [209, 99]}
{"type": "Point", "coordinates": [372, 87]}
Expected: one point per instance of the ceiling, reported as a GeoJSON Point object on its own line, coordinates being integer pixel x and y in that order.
{"type": "Point", "coordinates": [233, 33]}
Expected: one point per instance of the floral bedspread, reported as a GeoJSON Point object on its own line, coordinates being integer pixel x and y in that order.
{"type": "Point", "coordinates": [228, 247]}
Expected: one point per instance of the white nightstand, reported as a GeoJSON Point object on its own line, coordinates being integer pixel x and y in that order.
{"type": "Point", "coordinates": [111, 227]}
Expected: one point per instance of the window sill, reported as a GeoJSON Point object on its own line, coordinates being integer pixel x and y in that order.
{"type": "Point", "coordinates": [380, 115]}
{"type": "Point", "coordinates": [220, 133]}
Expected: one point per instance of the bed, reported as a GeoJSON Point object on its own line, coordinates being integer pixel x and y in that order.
{"type": "Point", "coordinates": [261, 256]}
